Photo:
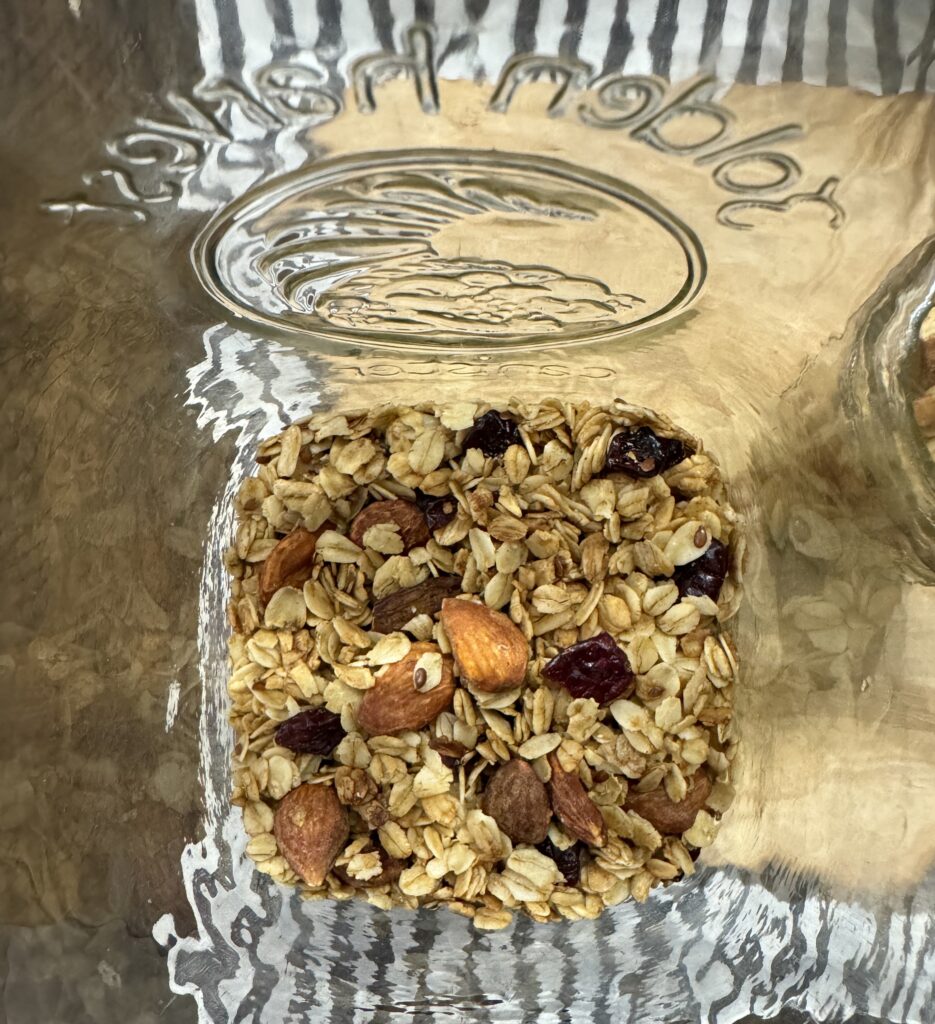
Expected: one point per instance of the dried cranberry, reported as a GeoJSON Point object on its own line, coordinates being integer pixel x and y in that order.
{"type": "Point", "coordinates": [316, 731]}
{"type": "Point", "coordinates": [493, 433]}
{"type": "Point", "coordinates": [705, 576]}
{"type": "Point", "coordinates": [568, 861]}
{"type": "Point", "coordinates": [439, 512]}
{"type": "Point", "coordinates": [640, 451]}
{"type": "Point", "coordinates": [595, 667]}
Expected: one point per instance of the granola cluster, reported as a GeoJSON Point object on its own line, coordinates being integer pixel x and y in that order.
{"type": "Point", "coordinates": [478, 657]}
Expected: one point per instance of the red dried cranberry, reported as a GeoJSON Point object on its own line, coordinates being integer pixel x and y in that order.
{"type": "Point", "coordinates": [640, 451]}
{"type": "Point", "coordinates": [705, 576]}
{"type": "Point", "coordinates": [316, 731]}
{"type": "Point", "coordinates": [493, 433]}
{"type": "Point", "coordinates": [595, 667]}
{"type": "Point", "coordinates": [568, 861]}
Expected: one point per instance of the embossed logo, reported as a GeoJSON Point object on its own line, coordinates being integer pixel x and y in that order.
{"type": "Point", "coordinates": [286, 95]}
{"type": "Point", "coordinates": [458, 247]}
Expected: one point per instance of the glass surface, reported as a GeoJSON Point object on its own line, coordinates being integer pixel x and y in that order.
{"type": "Point", "coordinates": [213, 219]}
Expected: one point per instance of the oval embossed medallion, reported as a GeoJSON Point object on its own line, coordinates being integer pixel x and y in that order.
{"type": "Point", "coordinates": [428, 248]}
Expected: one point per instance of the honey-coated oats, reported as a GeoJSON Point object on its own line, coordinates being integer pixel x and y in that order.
{"type": "Point", "coordinates": [478, 656]}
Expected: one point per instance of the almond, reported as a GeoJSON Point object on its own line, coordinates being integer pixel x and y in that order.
{"type": "Point", "coordinates": [404, 514]}
{"type": "Point", "coordinates": [491, 653]}
{"type": "Point", "coordinates": [667, 816]}
{"type": "Point", "coordinates": [394, 703]}
{"type": "Point", "coordinates": [518, 803]}
{"type": "Point", "coordinates": [289, 564]}
{"type": "Point", "coordinates": [574, 808]}
{"type": "Point", "coordinates": [311, 828]}
{"type": "Point", "coordinates": [395, 610]}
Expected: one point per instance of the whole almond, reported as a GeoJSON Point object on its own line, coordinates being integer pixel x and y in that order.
{"type": "Point", "coordinates": [574, 808]}
{"type": "Point", "coordinates": [404, 514]}
{"type": "Point", "coordinates": [289, 564]}
{"type": "Point", "coordinates": [311, 828]}
{"type": "Point", "coordinates": [395, 610]}
{"type": "Point", "coordinates": [518, 803]}
{"type": "Point", "coordinates": [394, 703]}
{"type": "Point", "coordinates": [667, 816]}
{"type": "Point", "coordinates": [490, 652]}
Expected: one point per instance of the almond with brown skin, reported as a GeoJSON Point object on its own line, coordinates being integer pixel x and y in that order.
{"type": "Point", "coordinates": [394, 703]}
{"type": "Point", "coordinates": [408, 517]}
{"type": "Point", "coordinates": [392, 612]}
{"type": "Point", "coordinates": [490, 652]}
{"type": "Point", "coordinates": [289, 564]}
{"type": "Point", "coordinates": [311, 828]}
{"type": "Point", "coordinates": [518, 803]}
{"type": "Point", "coordinates": [667, 816]}
{"type": "Point", "coordinates": [574, 808]}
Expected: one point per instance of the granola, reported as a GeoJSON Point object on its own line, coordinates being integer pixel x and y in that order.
{"type": "Point", "coordinates": [478, 658]}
